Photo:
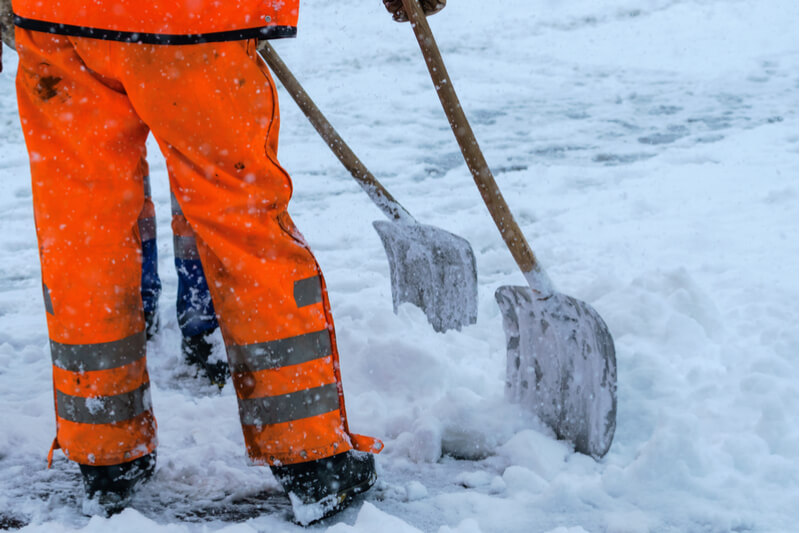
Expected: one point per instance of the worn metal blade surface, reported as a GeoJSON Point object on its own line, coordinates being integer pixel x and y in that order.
{"type": "Point", "coordinates": [432, 269]}
{"type": "Point", "coordinates": [561, 364]}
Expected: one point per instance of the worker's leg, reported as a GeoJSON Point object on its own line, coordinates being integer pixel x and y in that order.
{"type": "Point", "coordinates": [151, 283]}
{"type": "Point", "coordinates": [196, 316]}
{"type": "Point", "coordinates": [195, 309]}
{"type": "Point", "coordinates": [85, 144]}
{"type": "Point", "coordinates": [213, 109]}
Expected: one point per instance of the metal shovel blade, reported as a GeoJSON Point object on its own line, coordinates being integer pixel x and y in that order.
{"type": "Point", "coordinates": [432, 269]}
{"type": "Point", "coordinates": [561, 364]}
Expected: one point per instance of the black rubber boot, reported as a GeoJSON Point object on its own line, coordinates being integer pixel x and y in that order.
{"type": "Point", "coordinates": [151, 324]}
{"type": "Point", "coordinates": [324, 487]}
{"type": "Point", "coordinates": [108, 489]}
{"type": "Point", "coordinates": [197, 351]}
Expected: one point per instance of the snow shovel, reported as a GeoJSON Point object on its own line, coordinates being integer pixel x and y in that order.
{"type": "Point", "coordinates": [560, 355]}
{"type": "Point", "coordinates": [430, 267]}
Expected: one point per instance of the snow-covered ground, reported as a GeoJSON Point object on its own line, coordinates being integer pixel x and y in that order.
{"type": "Point", "coordinates": [649, 149]}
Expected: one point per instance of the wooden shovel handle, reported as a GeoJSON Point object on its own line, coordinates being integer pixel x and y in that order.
{"type": "Point", "coordinates": [490, 192]}
{"type": "Point", "coordinates": [377, 193]}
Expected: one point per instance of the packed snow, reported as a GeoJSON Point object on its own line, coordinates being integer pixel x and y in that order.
{"type": "Point", "coordinates": [649, 150]}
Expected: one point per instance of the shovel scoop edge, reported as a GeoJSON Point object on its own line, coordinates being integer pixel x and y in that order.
{"type": "Point", "coordinates": [561, 365]}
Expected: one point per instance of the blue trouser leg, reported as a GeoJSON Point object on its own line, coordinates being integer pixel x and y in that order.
{"type": "Point", "coordinates": [196, 313]}
{"type": "Point", "coordinates": [195, 310]}
{"type": "Point", "coordinates": [151, 283]}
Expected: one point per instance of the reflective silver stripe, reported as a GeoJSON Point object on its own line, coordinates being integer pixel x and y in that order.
{"type": "Point", "coordinates": [147, 192]}
{"type": "Point", "coordinates": [176, 207]}
{"type": "Point", "coordinates": [308, 291]}
{"type": "Point", "coordinates": [48, 303]}
{"type": "Point", "coordinates": [104, 409]}
{"type": "Point", "coordinates": [288, 407]}
{"type": "Point", "coordinates": [147, 228]}
{"type": "Point", "coordinates": [280, 353]}
{"type": "Point", "coordinates": [100, 356]}
{"type": "Point", "coordinates": [185, 248]}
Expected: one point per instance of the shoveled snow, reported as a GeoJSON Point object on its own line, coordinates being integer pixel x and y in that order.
{"type": "Point", "coordinates": [649, 150]}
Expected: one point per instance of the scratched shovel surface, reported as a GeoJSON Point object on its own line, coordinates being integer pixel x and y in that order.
{"type": "Point", "coordinates": [561, 363]}
{"type": "Point", "coordinates": [432, 269]}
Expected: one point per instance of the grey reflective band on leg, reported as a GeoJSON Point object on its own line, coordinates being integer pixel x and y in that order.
{"type": "Point", "coordinates": [176, 207]}
{"type": "Point", "coordinates": [100, 356]}
{"type": "Point", "coordinates": [288, 407]}
{"type": "Point", "coordinates": [104, 409]}
{"type": "Point", "coordinates": [147, 229]}
{"type": "Point", "coordinates": [185, 248]}
{"type": "Point", "coordinates": [48, 302]}
{"type": "Point", "coordinates": [280, 353]}
{"type": "Point", "coordinates": [308, 291]}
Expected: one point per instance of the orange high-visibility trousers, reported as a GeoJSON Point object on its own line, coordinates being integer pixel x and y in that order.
{"type": "Point", "coordinates": [86, 108]}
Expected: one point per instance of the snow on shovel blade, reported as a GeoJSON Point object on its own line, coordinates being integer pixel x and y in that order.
{"type": "Point", "coordinates": [561, 364]}
{"type": "Point", "coordinates": [432, 269]}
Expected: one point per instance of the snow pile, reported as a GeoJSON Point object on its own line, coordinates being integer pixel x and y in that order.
{"type": "Point", "coordinates": [649, 150]}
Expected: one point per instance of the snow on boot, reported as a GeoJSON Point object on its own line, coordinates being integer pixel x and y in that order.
{"type": "Point", "coordinates": [197, 351]}
{"type": "Point", "coordinates": [318, 489]}
{"type": "Point", "coordinates": [109, 489]}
